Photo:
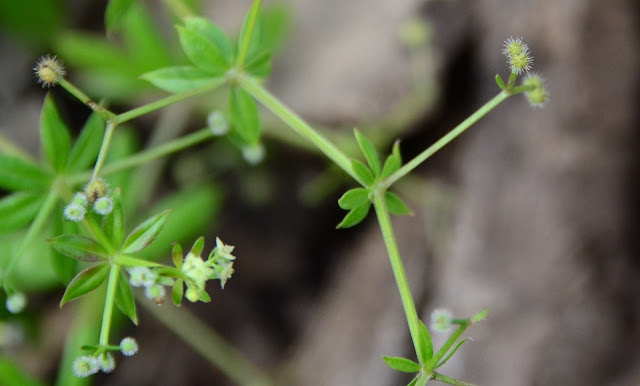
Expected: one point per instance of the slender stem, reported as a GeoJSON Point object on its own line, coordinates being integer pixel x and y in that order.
{"type": "Point", "coordinates": [34, 229]}
{"type": "Point", "coordinates": [84, 98]}
{"type": "Point", "coordinates": [109, 300]}
{"type": "Point", "coordinates": [452, 339]}
{"type": "Point", "coordinates": [449, 380]}
{"type": "Point", "coordinates": [148, 155]}
{"type": "Point", "coordinates": [450, 136]}
{"type": "Point", "coordinates": [208, 343]}
{"type": "Point", "coordinates": [296, 123]}
{"type": "Point", "coordinates": [396, 264]}
{"type": "Point", "coordinates": [246, 38]}
{"type": "Point", "coordinates": [171, 99]}
{"type": "Point", "coordinates": [104, 148]}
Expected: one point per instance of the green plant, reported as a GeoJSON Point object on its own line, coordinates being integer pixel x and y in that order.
{"type": "Point", "coordinates": [93, 233]}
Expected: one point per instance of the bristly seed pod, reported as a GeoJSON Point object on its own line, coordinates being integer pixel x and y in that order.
{"type": "Point", "coordinates": [49, 70]}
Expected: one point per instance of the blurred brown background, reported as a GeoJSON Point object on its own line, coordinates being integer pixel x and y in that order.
{"type": "Point", "coordinates": [533, 213]}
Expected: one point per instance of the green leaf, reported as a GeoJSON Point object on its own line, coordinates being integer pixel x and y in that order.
{"type": "Point", "coordinates": [198, 246]}
{"type": "Point", "coordinates": [425, 345]}
{"type": "Point", "coordinates": [395, 205]}
{"type": "Point", "coordinates": [393, 161]}
{"type": "Point", "coordinates": [85, 150]}
{"type": "Point", "coordinates": [115, 12]}
{"type": "Point", "coordinates": [179, 78]}
{"type": "Point", "coordinates": [363, 172]}
{"type": "Point", "coordinates": [260, 65]}
{"type": "Point", "coordinates": [276, 25]}
{"type": "Point", "coordinates": [370, 153]}
{"type": "Point", "coordinates": [124, 299]}
{"type": "Point", "coordinates": [18, 210]}
{"type": "Point", "coordinates": [11, 374]}
{"type": "Point", "coordinates": [79, 247]}
{"type": "Point", "coordinates": [63, 266]}
{"type": "Point", "coordinates": [145, 233]}
{"type": "Point", "coordinates": [250, 38]}
{"type": "Point", "coordinates": [56, 141]}
{"type": "Point", "coordinates": [177, 291]}
{"type": "Point", "coordinates": [214, 34]}
{"type": "Point", "coordinates": [113, 223]}
{"type": "Point", "coordinates": [413, 381]}
{"type": "Point", "coordinates": [402, 364]}
{"type": "Point", "coordinates": [355, 216]}
{"type": "Point", "coordinates": [244, 115]}
{"type": "Point", "coordinates": [354, 198]}
{"type": "Point", "coordinates": [479, 316]}
{"type": "Point", "coordinates": [450, 354]}
{"type": "Point", "coordinates": [144, 41]}
{"type": "Point", "coordinates": [85, 282]}
{"type": "Point", "coordinates": [176, 255]}
{"type": "Point", "coordinates": [500, 82]}
{"type": "Point", "coordinates": [20, 174]}
{"type": "Point", "coordinates": [422, 379]}
{"type": "Point", "coordinates": [202, 51]}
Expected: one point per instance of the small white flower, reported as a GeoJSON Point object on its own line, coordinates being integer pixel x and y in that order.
{"type": "Point", "coordinates": [224, 273]}
{"type": "Point", "coordinates": [154, 291]}
{"type": "Point", "coordinates": [196, 270]}
{"type": "Point", "coordinates": [103, 205]}
{"type": "Point", "coordinates": [441, 320]}
{"type": "Point", "coordinates": [74, 212]}
{"type": "Point", "coordinates": [141, 277]}
{"type": "Point", "coordinates": [128, 346]}
{"type": "Point", "coordinates": [85, 365]}
{"type": "Point", "coordinates": [107, 363]}
{"type": "Point", "coordinates": [16, 302]}
{"type": "Point", "coordinates": [223, 250]}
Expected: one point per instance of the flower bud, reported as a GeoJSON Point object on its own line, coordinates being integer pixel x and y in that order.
{"type": "Point", "coordinates": [103, 205]}
{"type": "Point", "coordinates": [107, 363]}
{"type": "Point", "coordinates": [539, 96]}
{"type": "Point", "coordinates": [253, 154]}
{"type": "Point", "coordinates": [74, 212]}
{"type": "Point", "coordinates": [128, 346]}
{"type": "Point", "coordinates": [85, 365]}
{"type": "Point", "coordinates": [217, 123]}
{"type": "Point", "coordinates": [441, 320]}
{"type": "Point", "coordinates": [49, 70]}
{"type": "Point", "coordinates": [16, 302]}
{"type": "Point", "coordinates": [95, 189]}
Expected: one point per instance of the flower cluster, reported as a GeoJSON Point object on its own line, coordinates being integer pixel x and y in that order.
{"type": "Point", "coordinates": [520, 61]}
{"type": "Point", "coordinates": [103, 360]}
{"type": "Point", "coordinates": [219, 265]}
{"type": "Point", "coordinates": [95, 195]}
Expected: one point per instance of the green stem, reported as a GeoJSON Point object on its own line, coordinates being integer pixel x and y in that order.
{"type": "Point", "coordinates": [82, 97]}
{"type": "Point", "coordinates": [450, 342]}
{"type": "Point", "coordinates": [145, 109]}
{"type": "Point", "coordinates": [104, 148]}
{"type": "Point", "coordinates": [207, 343]}
{"type": "Point", "coordinates": [396, 264]}
{"type": "Point", "coordinates": [34, 229]}
{"type": "Point", "coordinates": [296, 123]}
{"type": "Point", "coordinates": [246, 38]}
{"type": "Point", "coordinates": [148, 155]}
{"type": "Point", "coordinates": [109, 300]}
{"type": "Point", "coordinates": [450, 136]}
{"type": "Point", "coordinates": [449, 380]}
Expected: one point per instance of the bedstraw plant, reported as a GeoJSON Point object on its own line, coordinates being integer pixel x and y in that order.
{"type": "Point", "coordinates": [96, 247]}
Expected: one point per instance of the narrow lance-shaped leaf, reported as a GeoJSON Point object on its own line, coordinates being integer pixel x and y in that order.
{"type": "Point", "coordinates": [370, 153]}
{"type": "Point", "coordinates": [176, 255]}
{"type": "Point", "coordinates": [145, 233]}
{"type": "Point", "coordinates": [402, 364]}
{"type": "Point", "coordinates": [393, 162]}
{"type": "Point", "coordinates": [214, 34]}
{"type": "Point", "coordinates": [202, 51]}
{"type": "Point", "coordinates": [355, 216]}
{"type": "Point", "coordinates": [250, 38]}
{"type": "Point", "coordinates": [113, 223]}
{"type": "Point", "coordinates": [179, 78]}
{"type": "Point", "coordinates": [354, 198]}
{"type": "Point", "coordinates": [18, 210]}
{"type": "Point", "coordinates": [177, 291]}
{"type": "Point", "coordinates": [198, 246]}
{"type": "Point", "coordinates": [115, 12]}
{"type": "Point", "coordinates": [395, 204]}
{"type": "Point", "coordinates": [244, 115]}
{"type": "Point", "coordinates": [260, 65]}
{"type": "Point", "coordinates": [85, 150]}
{"type": "Point", "coordinates": [62, 264]}
{"type": "Point", "coordinates": [453, 351]}
{"type": "Point", "coordinates": [124, 299]}
{"type": "Point", "coordinates": [20, 174]}
{"type": "Point", "coordinates": [56, 141]}
{"type": "Point", "coordinates": [362, 172]}
{"type": "Point", "coordinates": [425, 345]}
{"type": "Point", "coordinates": [85, 282]}
{"type": "Point", "coordinates": [79, 247]}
